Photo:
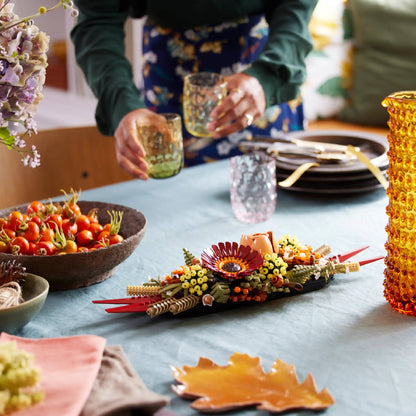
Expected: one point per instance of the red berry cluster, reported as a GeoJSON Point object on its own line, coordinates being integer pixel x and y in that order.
{"type": "Point", "coordinates": [57, 228]}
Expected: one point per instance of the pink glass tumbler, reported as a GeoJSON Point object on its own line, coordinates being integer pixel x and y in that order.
{"type": "Point", "coordinates": [253, 187]}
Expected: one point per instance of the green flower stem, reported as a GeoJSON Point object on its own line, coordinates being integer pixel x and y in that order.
{"type": "Point", "coordinates": [169, 287]}
{"type": "Point", "coordinates": [16, 22]}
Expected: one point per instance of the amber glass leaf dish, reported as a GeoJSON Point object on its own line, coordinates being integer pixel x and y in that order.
{"type": "Point", "coordinates": [243, 382]}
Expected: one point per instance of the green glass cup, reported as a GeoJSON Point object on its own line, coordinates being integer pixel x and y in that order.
{"type": "Point", "coordinates": [164, 151]}
{"type": "Point", "coordinates": [202, 92]}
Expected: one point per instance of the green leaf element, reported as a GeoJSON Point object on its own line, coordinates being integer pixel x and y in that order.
{"type": "Point", "coordinates": [318, 53]}
{"type": "Point", "coordinates": [333, 88]}
{"type": "Point", "coordinates": [348, 25]}
{"type": "Point", "coordinates": [6, 137]}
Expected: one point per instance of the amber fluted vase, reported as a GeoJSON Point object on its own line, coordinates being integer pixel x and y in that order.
{"type": "Point", "coordinates": [400, 271]}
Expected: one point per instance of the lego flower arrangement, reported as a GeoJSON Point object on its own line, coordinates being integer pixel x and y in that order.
{"type": "Point", "coordinates": [261, 267]}
{"type": "Point", "coordinates": [23, 63]}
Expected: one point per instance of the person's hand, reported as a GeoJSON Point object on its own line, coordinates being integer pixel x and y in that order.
{"type": "Point", "coordinates": [129, 151]}
{"type": "Point", "coordinates": [244, 104]}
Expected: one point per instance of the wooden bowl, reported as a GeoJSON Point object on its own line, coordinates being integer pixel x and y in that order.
{"type": "Point", "coordinates": [75, 270]}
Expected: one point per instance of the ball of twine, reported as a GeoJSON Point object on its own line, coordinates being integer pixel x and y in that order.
{"type": "Point", "coordinates": [10, 295]}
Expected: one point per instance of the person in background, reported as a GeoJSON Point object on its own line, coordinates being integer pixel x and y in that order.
{"type": "Point", "coordinates": [259, 45]}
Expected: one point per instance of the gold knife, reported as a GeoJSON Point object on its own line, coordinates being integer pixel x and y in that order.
{"type": "Point", "coordinates": [318, 146]}
{"type": "Point", "coordinates": [311, 153]}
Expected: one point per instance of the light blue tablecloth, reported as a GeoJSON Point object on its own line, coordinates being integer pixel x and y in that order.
{"type": "Point", "coordinates": [346, 334]}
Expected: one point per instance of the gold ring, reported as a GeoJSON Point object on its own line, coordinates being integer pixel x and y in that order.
{"type": "Point", "coordinates": [249, 118]}
{"type": "Point", "coordinates": [237, 91]}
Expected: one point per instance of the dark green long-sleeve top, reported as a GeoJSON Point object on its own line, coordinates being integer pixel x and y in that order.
{"type": "Point", "coordinates": [99, 45]}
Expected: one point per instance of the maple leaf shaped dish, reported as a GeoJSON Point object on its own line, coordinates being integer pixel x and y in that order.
{"type": "Point", "coordinates": [276, 391]}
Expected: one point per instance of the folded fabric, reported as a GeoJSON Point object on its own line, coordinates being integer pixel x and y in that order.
{"type": "Point", "coordinates": [80, 376]}
{"type": "Point", "coordinates": [119, 391]}
{"type": "Point", "coordinates": [69, 368]}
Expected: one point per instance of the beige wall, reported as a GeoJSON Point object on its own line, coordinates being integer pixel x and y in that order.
{"type": "Point", "coordinates": [58, 23]}
{"type": "Point", "coordinates": [54, 23]}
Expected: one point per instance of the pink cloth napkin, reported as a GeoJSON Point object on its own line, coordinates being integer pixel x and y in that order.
{"type": "Point", "coordinates": [69, 367]}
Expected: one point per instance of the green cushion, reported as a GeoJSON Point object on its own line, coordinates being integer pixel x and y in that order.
{"type": "Point", "coordinates": [385, 56]}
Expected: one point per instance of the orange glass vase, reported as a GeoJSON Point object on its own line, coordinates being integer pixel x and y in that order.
{"type": "Point", "coordinates": [400, 271]}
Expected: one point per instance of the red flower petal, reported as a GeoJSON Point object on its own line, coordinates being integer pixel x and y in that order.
{"type": "Point", "coordinates": [212, 257]}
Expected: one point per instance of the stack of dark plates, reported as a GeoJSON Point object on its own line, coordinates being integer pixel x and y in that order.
{"type": "Point", "coordinates": [348, 177]}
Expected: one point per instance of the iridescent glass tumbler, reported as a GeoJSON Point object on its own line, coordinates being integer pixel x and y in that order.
{"type": "Point", "coordinates": [164, 150]}
{"type": "Point", "coordinates": [202, 92]}
{"type": "Point", "coordinates": [400, 271]}
{"type": "Point", "coordinates": [253, 187]}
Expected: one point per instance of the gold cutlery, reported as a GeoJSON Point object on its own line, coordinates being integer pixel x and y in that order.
{"type": "Point", "coordinates": [316, 145]}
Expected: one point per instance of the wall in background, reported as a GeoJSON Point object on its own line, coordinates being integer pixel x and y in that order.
{"type": "Point", "coordinates": [54, 23]}
{"type": "Point", "coordinates": [63, 71]}
{"type": "Point", "coordinates": [57, 25]}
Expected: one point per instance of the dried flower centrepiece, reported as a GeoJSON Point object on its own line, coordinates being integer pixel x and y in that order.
{"type": "Point", "coordinates": [231, 273]}
{"type": "Point", "coordinates": [23, 63]}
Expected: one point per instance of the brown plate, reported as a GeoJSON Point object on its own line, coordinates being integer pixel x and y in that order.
{"type": "Point", "coordinates": [344, 188]}
{"type": "Point", "coordinates": [371, 145]}
{"type": "Point", "coordinates": [282, 174]}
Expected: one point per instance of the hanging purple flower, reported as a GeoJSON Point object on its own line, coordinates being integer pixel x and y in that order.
{"type": "Point", "coordinates": [23, 65]}
{"type": "Point", "coordinates": [3, 66]}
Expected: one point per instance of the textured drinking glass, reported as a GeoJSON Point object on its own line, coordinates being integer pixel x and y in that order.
{"type": "Point", "coordinates": [400, 271]}
{"type": "Point", "coordinates": [164, 152]}
{"type": "Point", "coordinates": [202, 92]}
{"type": "Point", "coordinates": [253, 187]}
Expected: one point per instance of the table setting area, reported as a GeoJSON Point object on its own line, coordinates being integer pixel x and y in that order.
{"type": "Point", "coordinates": [280, 280]}
{"type": "Point", "coordinates": [356, 347]}
{"type": "Point", "coordinates": [330, 169]}
{"type": "Point", "coordinates": [238, 286]}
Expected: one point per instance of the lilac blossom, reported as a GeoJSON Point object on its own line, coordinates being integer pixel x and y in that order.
{"type": "Point", "coordinates": [23, 63]}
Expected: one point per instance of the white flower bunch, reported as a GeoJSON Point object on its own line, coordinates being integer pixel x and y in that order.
{"type": "Point", "coordinates": [23, 63]}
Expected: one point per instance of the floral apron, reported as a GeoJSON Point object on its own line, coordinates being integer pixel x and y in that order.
{"type": "Point", "coordinates": [169, 55]}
